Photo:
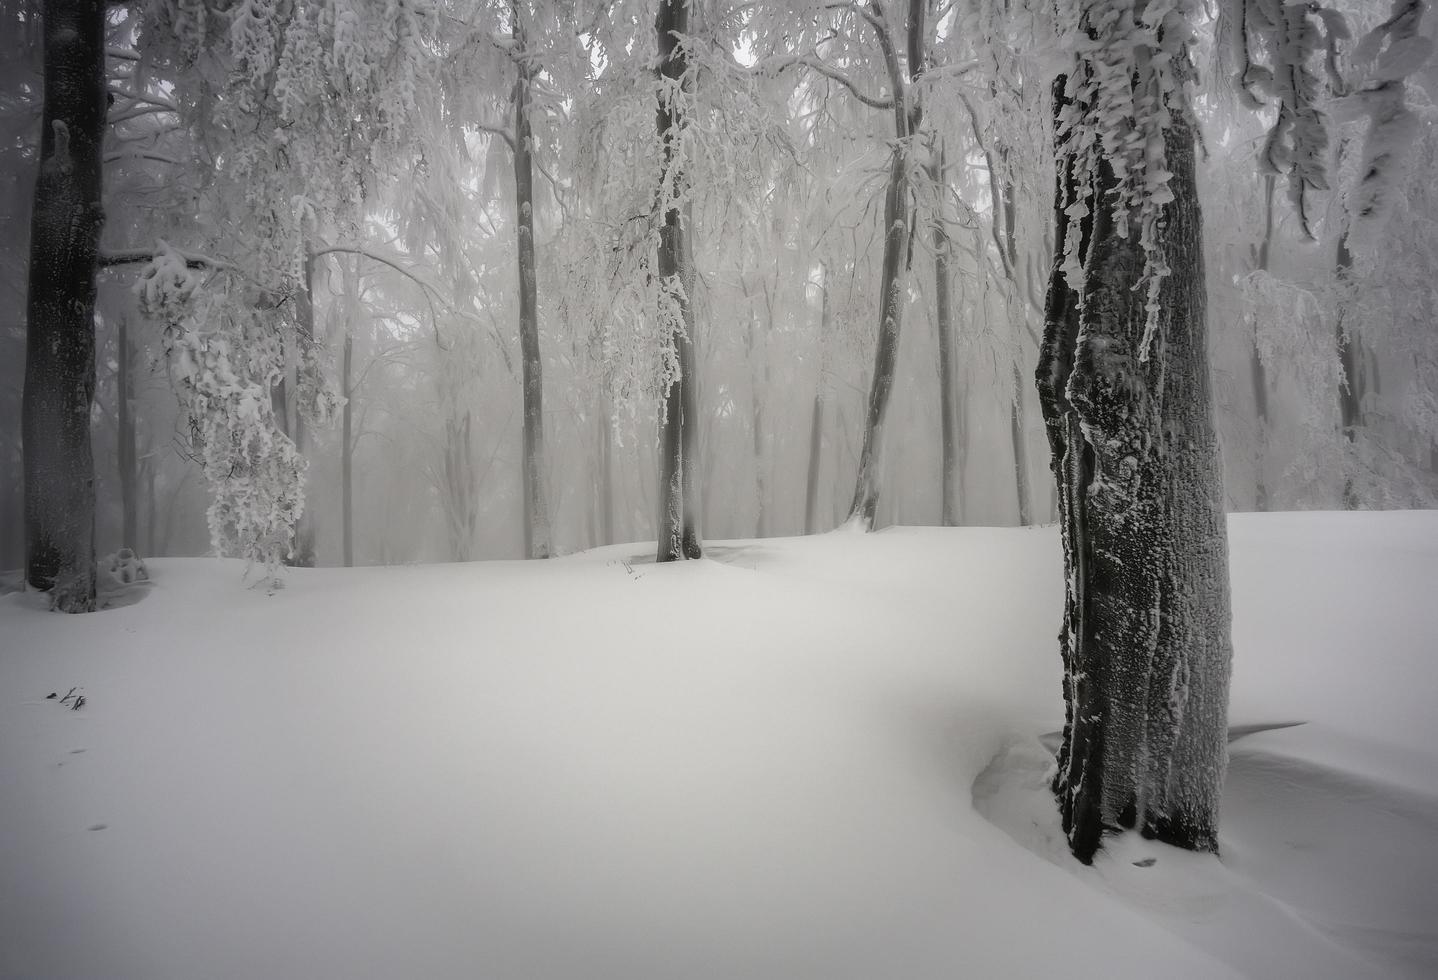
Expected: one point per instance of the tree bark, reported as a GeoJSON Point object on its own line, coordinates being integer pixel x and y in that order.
{"type": "Point", "coordinates": [816, 419]}
{"type": "Point", "coordinates": [678, 533]}
{"type": "Point", "coordinates": [893, 279]}
{"type": "Point", "coordinates": [536, 507]}
{"type": "Point", "coordinates": [1145, 639]}
{"type": "Point", "coordinates": [1351, 385]}
{"type": "Point", "coordinates": [1258, 374]}
{"type": "Point", "coordinates": [347, 452]}
{"type": "Point", "coordinates": [60, 338]}
{"type": "Point", "coordinates": [303, 553]}
{"type": "Point", "coordinates": [950, 507]}
{"type": "Point", "coordinates": [125, 399]}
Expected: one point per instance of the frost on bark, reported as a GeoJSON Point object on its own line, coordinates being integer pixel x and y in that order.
{"type": "Point", "coordinates": [60, 338]}
{"type": "Point", "coordinates": [1145, 640]}
{"type": "Point", "coordinates": [536, 508]}
{"type": "Point", "coordinates": [679, 419]}
{"type": "Point", "coordinates": [893, 280]}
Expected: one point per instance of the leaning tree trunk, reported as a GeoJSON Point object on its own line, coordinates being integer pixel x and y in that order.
{"type": "Point", "coordinates": [1145, 639]}
{"type": "Point", "coordinates": [536, 507]}
{"type": "Point", "coordinates": [678, 533]}
{"type": "Point", "coordinates": [892, 283]}
{"type": "Point", "coordinates": [60, 329]}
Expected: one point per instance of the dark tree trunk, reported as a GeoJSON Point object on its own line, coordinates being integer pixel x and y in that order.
{"type": "Point", "coordinates": [60, 339]}
{"type": "Point", "coordinates": [536, 507]}
{"type": "Point", "coordinates": [950, 509]}
{"type": "Point", "coordinates": [1145, 640]}
{"type": "Point", "coordinates": [1351, 386]}
{"type": "Point", "coordinates": [347, 453]}
{"type": "Point", "coordinates": [1258, 374]}
{"type": "Point", "coordinates": [678, 534]}
{"type": "Point", "coordinates": [125, 397]}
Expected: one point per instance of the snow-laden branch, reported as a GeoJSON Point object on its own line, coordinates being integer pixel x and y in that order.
{"type": "Point", "coordinates": [770, 67]}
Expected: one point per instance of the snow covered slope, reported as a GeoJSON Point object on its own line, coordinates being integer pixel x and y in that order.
{"type": "Point", "coordinates": [803, 758]}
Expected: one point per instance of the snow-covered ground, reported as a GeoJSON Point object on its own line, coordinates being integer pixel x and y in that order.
{"type": "Point", "coordinates": [804, 758]}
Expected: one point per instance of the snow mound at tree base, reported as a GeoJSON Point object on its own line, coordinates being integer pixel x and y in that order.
{"type": "Point", "coordinates": [1324, 871]}
{"type": "Point", "coordinates": [762, 766]}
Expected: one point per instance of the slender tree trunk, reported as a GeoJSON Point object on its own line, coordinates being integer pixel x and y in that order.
{"type": "Point", "coordinates": [892, 283]}
{"type": "Point", "coordinates": [1021, 449]}
{"type": "Point", "coordinates": [1258, 374]}
{"type": "Point", "coordinates": [949, 510]}
{"type": "Point", "coordinates": [347, 452]}
{"type": "Point", "coordinates": [816, 419]}
{"type": "Point", "coordinates": [125, 398]}
{"type": "Point", "coordinates": [303, 554]}
{"type": "Point", "coordinates": [678, 496]}
{"type": "Point", "coordinates": [1145, 641]}
{"type": "Point", "coordinates": [1350, 388]}
{"type": "Point", "coordinates": [536, 507]}
{"type": "Point", "coordinates": [606, 473]}
{"type": "Point", "coordinates": [151, 537]}
{"type": "Point", "coordinates": [756, 401]}
{"type": "Point", "coordinates": [60, 338]}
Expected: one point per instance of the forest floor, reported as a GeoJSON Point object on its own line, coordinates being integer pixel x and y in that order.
{"type": "Point", "coordinates": [803, 758]}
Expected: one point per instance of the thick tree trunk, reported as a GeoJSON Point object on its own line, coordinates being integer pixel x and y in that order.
{"type": "Point", "coordinates": [950, 507]}
{"type": "Point", "coordinates": [1145, 641]}
{"type": "Point", "coordinates": [60, 339]}
{"type": "Point", "coordinates": [347, 453]}
{"type": "Point", "coordinates": [536, 507]}
{"type": "Point", "coordinates": [125, 398]}
{"type": "Point", "coordinates": [678, 494]}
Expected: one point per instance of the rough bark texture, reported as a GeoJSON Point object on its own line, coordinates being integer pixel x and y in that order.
{"type": "Point", "coordinates": [60, 339]}
{"type": "Point", "coordinates": [1145, 639]}
{"type": "Point", "coordinates": [950, 513]}
{"type": "Point", "coordinates": [678, 424]}
{"type": "Point", "coordinates": [536, 506]}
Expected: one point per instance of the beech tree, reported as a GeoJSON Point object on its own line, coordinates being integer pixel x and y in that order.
{"type": "Point", "coordinates": [1123, 383]}
{"type": "Point", "coordinates": [60, 339]}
